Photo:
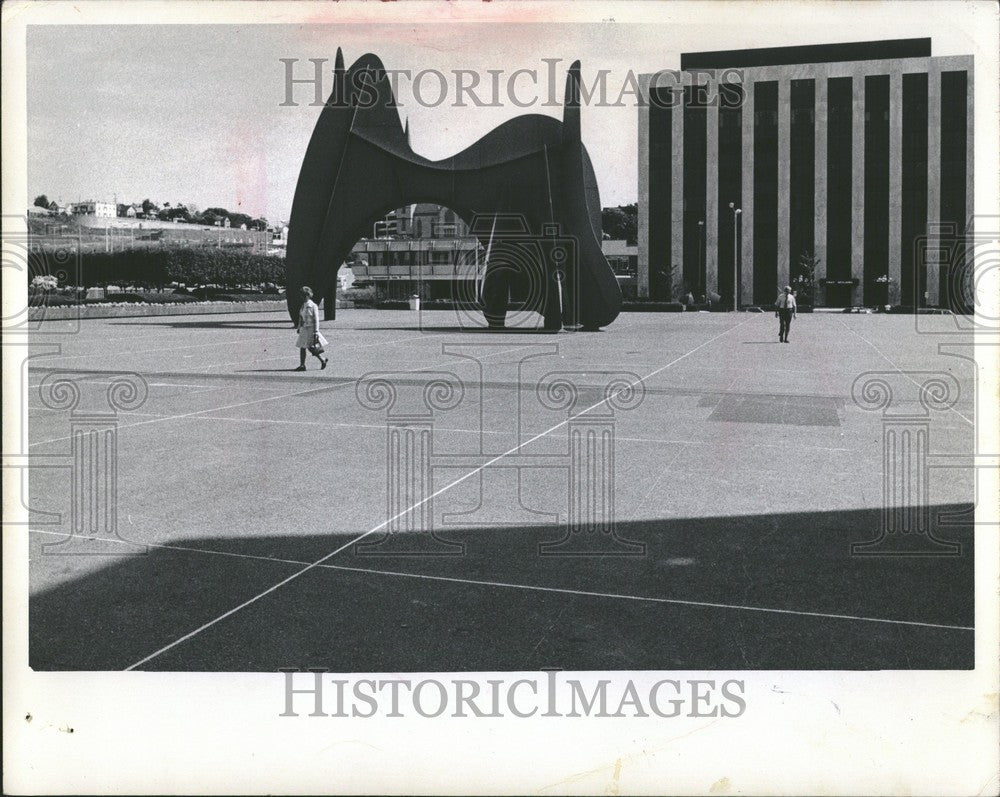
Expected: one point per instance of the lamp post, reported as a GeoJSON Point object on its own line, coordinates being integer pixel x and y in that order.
{"type": "Point", "coordinates": [736, 261]}
{"type": "Point", "coordinates": [702, 277]}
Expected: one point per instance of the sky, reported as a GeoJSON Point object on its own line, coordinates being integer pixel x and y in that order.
{"type": "Point", "coordinates": [193, 113]}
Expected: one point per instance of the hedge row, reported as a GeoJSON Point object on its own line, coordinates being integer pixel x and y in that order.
{"type": "Point", "coordinates": [156, 268]}
{"type": "Point", "coordinates": [53, 299]}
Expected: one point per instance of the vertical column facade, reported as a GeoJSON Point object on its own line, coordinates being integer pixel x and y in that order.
{"type": "Point", "coordinates": [712, 208]}
{"type": "Point", "coordinates": [913, 193]}
{"type": "Point", "coordinates": [876, 189]}
{"type": "Point", "coordinates": [955, 204]}
{"type": "Point", "coordinates": [820, 189]}
{"type": "Point", "coordinates": [895, 182]}
{"type": "Point", "coordinates": [659, 213]}
{"type": "Point", "coordinates": [694, 171]}
{"type": "Point", "coordinates": [784, 182]}
{"type": "Point", "coordinates": [802, 172]}
{"type": "Point", "coordinates": [642, 222]}
{"type": "Point", "coordinates": [970, 149]}
{"type": "Point", "coordinates": [765, 192]}
{"type": "Point", "coordinates": [730, 186]}
{"type": "Point", "coordinates": [678, 244]}
{"type": "Point", "coordinates": [745, 242]}
{"type": "Point", "coordinates": [839, 200]}
{"type": "Point", "coordinates": [935, 167]}
{"type": "Point", "coordinates": [858, 190]}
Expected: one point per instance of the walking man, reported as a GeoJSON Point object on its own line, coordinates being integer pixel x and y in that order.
{"type": "Point", "coordinates": [785, 312]}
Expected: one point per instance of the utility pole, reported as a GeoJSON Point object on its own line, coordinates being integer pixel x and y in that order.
{"type": "Point", "coordinates": [702, 276]}
{"type": "Point", "coordinates": [736, 262]}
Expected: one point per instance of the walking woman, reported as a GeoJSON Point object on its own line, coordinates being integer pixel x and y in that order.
{"type": "Point", "coordinates": [310, 339]}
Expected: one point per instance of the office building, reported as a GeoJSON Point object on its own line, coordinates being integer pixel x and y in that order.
{"type": "Point", "coordinates": [847, 156]}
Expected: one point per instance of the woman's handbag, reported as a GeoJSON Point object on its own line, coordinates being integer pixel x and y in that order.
{"type": "Point", "coordinates": [316, 348]}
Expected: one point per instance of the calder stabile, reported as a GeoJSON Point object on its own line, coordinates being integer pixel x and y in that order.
{"type": "Point", "coordinates": [359, 166]}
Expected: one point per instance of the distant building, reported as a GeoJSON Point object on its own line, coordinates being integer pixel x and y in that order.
{"type": "Point", "coordinates": [279, 240]}
{"type": "Point", "coordinates": [426, 220]}
{"type": "Point", "coordinates": [102, 210]}
{"type": "Point", "coordinates": [420, 249]}
{"type": "Point", "coordinates": [854, 155]}
{"type": "Point", "coordinates": [623, 257]}
{"type": "Point", "coordinates": [624, 261]}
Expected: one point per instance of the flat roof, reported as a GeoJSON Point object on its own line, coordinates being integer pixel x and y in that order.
{"type": "Point", "coordinates": [809, 54]}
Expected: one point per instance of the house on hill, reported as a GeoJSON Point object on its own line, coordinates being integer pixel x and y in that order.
{"type": "Point", "coordinates": [104, 210]}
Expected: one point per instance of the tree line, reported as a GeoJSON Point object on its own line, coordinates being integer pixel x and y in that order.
{"type": "Point", "coordinates": [187, 213]}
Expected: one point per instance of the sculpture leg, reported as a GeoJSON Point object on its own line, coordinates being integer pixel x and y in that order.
{"type": "Point", "coordinates": [552, 308]}
{"type": "Point", "coordinates": [330, 301]}
{"type": "Point", "coordinates": [496, 295]}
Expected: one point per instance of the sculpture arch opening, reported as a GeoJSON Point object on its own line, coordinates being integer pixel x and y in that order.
{"type": "Point", "coordinates": [440, 255]}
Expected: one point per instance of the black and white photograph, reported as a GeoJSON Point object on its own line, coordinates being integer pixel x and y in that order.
{"type": "Point", "coordinates": [394, 389]}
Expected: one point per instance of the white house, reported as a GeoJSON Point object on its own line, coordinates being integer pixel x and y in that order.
{"type": "Point", "coordinates": [103, 210]}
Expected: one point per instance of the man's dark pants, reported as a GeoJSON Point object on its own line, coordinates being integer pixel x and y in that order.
{"type": "Point", "coordinates": [785, 316]}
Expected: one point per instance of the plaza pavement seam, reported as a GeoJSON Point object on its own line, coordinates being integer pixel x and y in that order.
{"type": "Point", "coordinates": [511, 585]}
{"type": "Point", "coordinates": [325, 388]}
{"type": "Point", "coordinates": [898, 369]}
{"type": "Point", "coordinates": [652, 391]}
{"type": "Point", "coordinates": [235, 343]}
{"type": "Point", "coordinates": [334, 425]}
{"type": "Point", "coordinates": [430, 497]}
{"type": "Point", "coordinates": [353, 348]}
{"type": "Point", "coordinates": [669, 465]}
{"type": "Point", "coordinates": [681, 449]}
{"type": "Point", "coordinates": [155, 351]}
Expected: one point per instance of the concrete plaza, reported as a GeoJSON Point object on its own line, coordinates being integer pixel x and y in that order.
{"type": "Point", "coordinates": [739, 482]}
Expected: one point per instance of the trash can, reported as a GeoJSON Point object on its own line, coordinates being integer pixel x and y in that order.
{"type": "Point", "coordinates": [414, 302]}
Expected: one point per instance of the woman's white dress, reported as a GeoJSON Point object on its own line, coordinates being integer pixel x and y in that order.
{"type": "Point", "coordinates": [309, 325]}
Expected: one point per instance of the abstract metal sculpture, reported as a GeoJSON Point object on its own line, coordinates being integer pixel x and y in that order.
{"type": "Point", "coordinates": [359, 165]}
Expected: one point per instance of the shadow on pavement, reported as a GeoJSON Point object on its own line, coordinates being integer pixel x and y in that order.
{"type": "Point", "coordinates": [499, 605]}
{"type": "Point", "coordinates": [284, 323]}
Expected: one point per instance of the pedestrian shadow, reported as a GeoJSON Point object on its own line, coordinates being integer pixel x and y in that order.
{"type": "Point", "coordinates": [459, 329]}
{"type": "Point", "coordinates": [201, 324]}
{"type": "Point", "coordinates": [268, 370]}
